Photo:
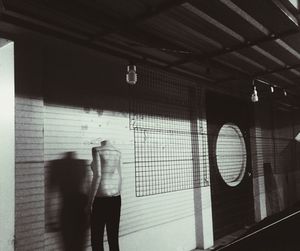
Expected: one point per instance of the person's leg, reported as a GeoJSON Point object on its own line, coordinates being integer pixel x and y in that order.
{"type": "Point", "coordinates": [97, 225]}
{"type": "Point", "coordinates": [113, 222]}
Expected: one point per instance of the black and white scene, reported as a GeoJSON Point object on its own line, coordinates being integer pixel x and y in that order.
{"type": "Point", "coordinates": [150, 125]}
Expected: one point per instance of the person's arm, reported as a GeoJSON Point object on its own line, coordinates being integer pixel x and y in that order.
{"type": "Point", "coordinates": [96, 168]}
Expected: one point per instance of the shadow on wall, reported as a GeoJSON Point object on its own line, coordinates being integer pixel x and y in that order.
{"type": "Point", "coordinates": [272, 199]}
{"type": "Point", "coordinates": [288, 160]}
{"type": "Point", "coordinates": [66, 200]}
{"type": "Point", "coordinates": [281, 177]}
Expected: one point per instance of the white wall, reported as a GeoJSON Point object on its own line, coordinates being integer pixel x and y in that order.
{"type": "Point", "coordinates": [166, 221]}
{"type": "Point", "coordinates": [7, 147]}
{"type": "Point", "coordinates": [49, 126]}
{"type": "Point", "coordinates": [158, 222]}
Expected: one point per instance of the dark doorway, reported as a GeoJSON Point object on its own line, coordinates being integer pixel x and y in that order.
{"type": "Point", "coordinates": [228, 124]}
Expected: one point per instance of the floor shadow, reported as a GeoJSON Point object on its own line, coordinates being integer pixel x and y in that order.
{"type": "Point", "coordinates": [65, 187]}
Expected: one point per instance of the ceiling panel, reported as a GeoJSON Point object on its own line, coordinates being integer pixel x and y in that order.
{"type": "Point", "coordinates": [241, 63]}
{"type": "Point", "coordinates": [290, 74]}
{"type": "Point", "coordinates": [57, 16]}
{"type": "Point", "coordinates": [293, 41]}
{"type": "Point", "coordinates": [143, 49]}
{"type": "Point", "coordinates": [174, 30]}
{"type": "Point", "coordinates": [207, 70]}
{"type": "Point", "coordinates": [277, 79]}
{"type": "Point", "coordinates": [227, 17]}
{"type": "Point", "coordinates": [278, 51]}
{"type": "Point", "coordinates": [202, 26]}
{"type": "Point", "coordinates": [258, 56]}
{"type": "Point", "coordinates": [118, 8]}
{"type": "Point", "coordinates": [264, 12]}
{"type": "Point", "coordinates": [218, 39]}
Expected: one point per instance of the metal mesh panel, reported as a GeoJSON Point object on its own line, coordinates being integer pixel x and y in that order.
{"type": "Point", "coordinates": [163, 162]}
{"type": "Point", "coordinates": [167, 156]}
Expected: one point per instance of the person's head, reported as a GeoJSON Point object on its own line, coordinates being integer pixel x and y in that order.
{"type": "Point", "coordinates": [105, 142]}
{"type": "Point", "coordinates": [108, 142]}
{"type": "Point", "coordinates": [70, 155]}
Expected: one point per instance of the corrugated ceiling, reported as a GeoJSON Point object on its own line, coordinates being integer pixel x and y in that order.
{"type": "Point", "coordinates": [216, 40]}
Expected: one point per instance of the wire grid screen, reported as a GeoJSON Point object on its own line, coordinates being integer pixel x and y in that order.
{"type": "Point", "coordinates": [275, 138]}
{"type": "Point", "coordinates": [265, 153]}
{"type": "Point", "coordinates": [164, 138]}
{"type": "Point", "coordinates": [164, 153]}
{"type": "Point", "coordinates": [284, 143]}
{"type": "Point", "coordinates": [159, 86]}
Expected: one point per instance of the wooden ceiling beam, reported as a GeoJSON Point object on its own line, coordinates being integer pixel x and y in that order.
{"type": "Point", "coordinates": [268, 37]}
{"type": "Point", "coordinates": [149, 13]}
{"type": "Point", "coordinates": [252, 21]}
{"type": "Point", "coordinates": [240, 46]}
{"type": "Point", "coordinates": [147, 42]}
{"type": "Point", "coordinates": [286, 11]}
{"type": "Point", "coordinates": [110, 48]}
{"type": "Point", "coordinates": [266, 73]}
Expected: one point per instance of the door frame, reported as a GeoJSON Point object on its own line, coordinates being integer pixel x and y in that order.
{"type": "Point", "coordinates": [219, 183]}
{"type": "Point", "coordinates": [7, 146]}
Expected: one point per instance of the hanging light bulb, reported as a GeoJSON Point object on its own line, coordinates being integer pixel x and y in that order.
{"type": "Point", "coordinates": [254, 96]}
{"type": "Point", "coordinates": [131, 76]}
{"type": "Point", "coordinates": [272, 89]}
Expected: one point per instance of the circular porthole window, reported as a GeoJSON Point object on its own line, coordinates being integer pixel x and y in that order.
{"type": "Point", "coordinates": [231, 154]}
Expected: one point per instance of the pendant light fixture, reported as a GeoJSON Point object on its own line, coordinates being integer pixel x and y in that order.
{"type": "Point", "coordinates": [254, 96]}
{"type": "Point", "coordinates": [131, 75]}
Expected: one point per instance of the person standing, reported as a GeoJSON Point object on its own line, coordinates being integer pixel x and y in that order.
{"type": "Point", "coordinates": [104, 201]}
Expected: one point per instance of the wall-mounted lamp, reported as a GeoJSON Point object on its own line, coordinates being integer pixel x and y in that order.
{"type": "Point", "coordinates": [254, 96]}
{"type": "Point", "coordinates": [297, 138]}
{"type": "Point", "coordinates": [131, 76]}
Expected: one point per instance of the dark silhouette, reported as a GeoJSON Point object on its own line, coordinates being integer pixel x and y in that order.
{"type": "Point", "coordinates": [271, 188]}
{"type": "Point", "coordinates": [66, 178]}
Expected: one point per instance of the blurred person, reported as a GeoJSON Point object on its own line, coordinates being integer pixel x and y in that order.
{"type": "Point", "coordinates": [104, 203]}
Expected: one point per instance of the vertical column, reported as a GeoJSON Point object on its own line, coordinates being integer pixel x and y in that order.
{"type": "Point", "coordinates": [257, 158]}
{"type": "Point", "coordinates": [202, 195]}
{"type": "Point", "coordinates": [29, 147]}
{"type": "Point", "coordinates": [7, 147]}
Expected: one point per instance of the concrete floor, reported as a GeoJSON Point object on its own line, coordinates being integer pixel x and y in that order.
{"type": "Point", "coordinates": [225, 240]}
